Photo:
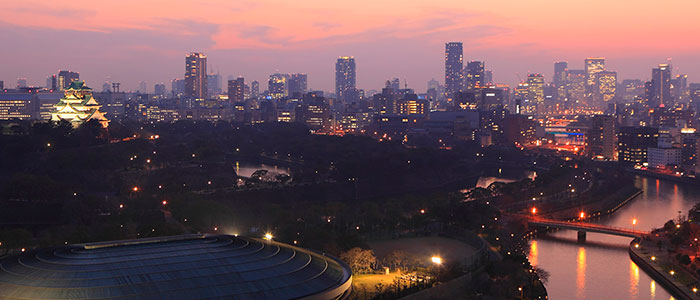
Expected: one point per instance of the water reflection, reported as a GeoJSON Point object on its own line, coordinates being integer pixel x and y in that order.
{"type": "Point", "coordinates": [634, 279]}
{"type": "Point", "coordinates": [601, 268]}
{"type": "Point", "coordinates": [581, 273]}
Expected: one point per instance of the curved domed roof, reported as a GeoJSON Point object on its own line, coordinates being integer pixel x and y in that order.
{"type": "Point", "coordinates": [180, 267]}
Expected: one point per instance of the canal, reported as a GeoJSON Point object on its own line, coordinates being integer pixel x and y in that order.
{"type": "Point", "coordinates": [601, 268]}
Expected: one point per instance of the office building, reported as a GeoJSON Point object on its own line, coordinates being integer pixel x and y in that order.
{"type": "Point", "coordinates": [606, 87]}
{"type": "Point", "coordinates": [177, 87]}
{"type": "Point", "coordinates": [196, 76]}
{"type": "Point", "coordinates": [297, 85]}
{"type": "Point", "coordinates": [454, 62]}
{"type": "Point", "coordinates": [18, 106]}
{"type": "Point", "coordinates": [593, 65]}
{"type": "Point", "coordinates": [213, 84]}
{"type": "Point", "coordinates": [159, 89]}
{"type": "Point", "coordinates": [601, 138]}
{"type": "Point", "coordinates": [21, 83]}
{"type": "Point", "coordinates": [65, 78]}
{"type": "Point", "coordinates": [633, 142]}
{"type": "Point", "coordinates": [659, 89]}
{"type": "Point", "coordinates": [143, 88]}
{"type": "Point", "coordinates": [255, 89]}
{"type": "Point", "coordinates": [474, 75]}
{"type": "Point", "coordinates": [559, 80]}
{"type": "Point", "coordinates": [236, 90]}
{"type": "Point", "coordinates": [535, 92]}
{"type": "Point", "coordinates": [277, 86]}
{"type": "Point", "coordinates": [345, 78]}
{"type": "Point", "coordinates": [576, 87]}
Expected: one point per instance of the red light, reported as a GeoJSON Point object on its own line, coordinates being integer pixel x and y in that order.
{"type": "Point", "coordinates": [534, 210]}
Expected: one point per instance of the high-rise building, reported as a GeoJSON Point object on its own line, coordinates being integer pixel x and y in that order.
{"type": "Point", "coordinates": [433, 84]}
{"type": "Point", "coordinates": [255, 89]}
{"type": "Point", "coordinates": [454, 61]}
{"type": "Point", "coordinates": [559, 80]}
{"type": "Point", "coordinates": [631, 89]}
{"type": "Point", "coordinates": [473, 75]}
{"type": "Point", "coordinates": [488, 78]}
{"type": "Point", "coordinates": [196, 75]}
{"type": "Point", "coordinates": [213, 84]}
{"type": "Point", "coordinates": [297, 85]}
{"type": "Point", "coordinates": [65, 78]}
{"type": "Point", "coordinates": [679, 88]}
{"type": "Point", "coordinates": [345, 77]}
{"type": "Point", "coordinates": [593, 65]}
{"type": "Point", "coordinates": [535, 92]}
{"type": "Point", "coordinates": [576, 86]}
{"type": "Point", "coordinates": [394, 84]}
{"type": "Point", "coordinates": [633, 143]}
{"type": "Point", "coordinates": [178, 87]}
{"type": "Point", "coordinates": [21, 83]}
{"type": "Point", "coordinates": [277, 86]}
{"type": "Point", "coordinates": [606, 86]}
{"type": "Point", "coordinates": [236, 90]}
{"type": "Point", "coordinates": [143, 88]}
{"type": "Point", "coordinates": [601, 138]}
{"type": "Point", "coordinates": [51, 82]}
{"type": "Point", "coordinates": [159, 89]}
{"type": "Point", "coordinates": [659, 94]}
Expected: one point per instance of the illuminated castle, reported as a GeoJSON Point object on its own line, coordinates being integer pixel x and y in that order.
{"type": "Point", "coordinates": [78, 106]}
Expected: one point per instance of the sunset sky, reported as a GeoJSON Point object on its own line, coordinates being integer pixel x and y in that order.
{"type": "Point", "coordinates": [128, 40]}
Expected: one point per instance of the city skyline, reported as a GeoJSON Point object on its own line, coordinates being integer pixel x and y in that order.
{"type": "Point", "coordinates": [509, 43]}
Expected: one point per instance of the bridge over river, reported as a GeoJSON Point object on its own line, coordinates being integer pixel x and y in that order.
{"type": "Point", "coordinates": [583, 227]}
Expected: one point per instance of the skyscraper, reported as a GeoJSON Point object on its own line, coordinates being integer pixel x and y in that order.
{"type": "Point", "coordinates": [236, 90]}
{"type": "Point", "coordinates": [255, 89]}
{"type": "Point", "coordinates": [297, 85]}
{"type": "Point", "coordinates": [601, 138]}
{"type": "Point", "coordinates": [213, 84]}
{"type": "Point", "coordinates": [454, 61]}
{"type": "Point", "coordinates": [65, 78]}
{"type": "Point", "coordinates": [178, 87]}
{"type": "Point", "coordinates": [474, 75]}
{"type": "Point", "coordinates": [535, 92]}
{"type": "Point", "coordinates": [606, 86]}
{"type": "Point", "coordinates": [143, 88]}
{"type": "Point", "coordinates": [660, 87]}
{"type": "Point", "coordinates": [575, 86]}
{"type": "Point", "coordinates": [21, 82]}
{"type": "Point", "coordinates": [196, 75]}
{"type": "Point", "coordinates": [488, 78]}
{"type": "Point", "coordinates": [593, 65]}
{"type": "Point", "coordinates": [277, 86]}
{"type": "Point", "coordinates": [345, 77]}
{"type": "Point", "coordinates": [559, 80]}
{"type": "Point", "coordinates": [159, 89]}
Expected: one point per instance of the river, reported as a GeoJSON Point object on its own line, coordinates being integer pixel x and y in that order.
{"type": "Point", "coordinates": [601, 268]}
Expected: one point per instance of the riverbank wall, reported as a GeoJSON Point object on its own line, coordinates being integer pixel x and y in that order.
{"type": "Point", "coordinates": [678, 290]}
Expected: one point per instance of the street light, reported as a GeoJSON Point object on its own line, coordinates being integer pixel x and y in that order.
{"type": "Point", "coordinates": [436, 260]}
{"type": "Point", "coordinates": [634, 223]}
{"type": "Point", "coordinates": [582, 215]}
{"type": "Point", "coordinates": [268, 236]}
{"type": "Point", "coordinates": [534, 210]}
